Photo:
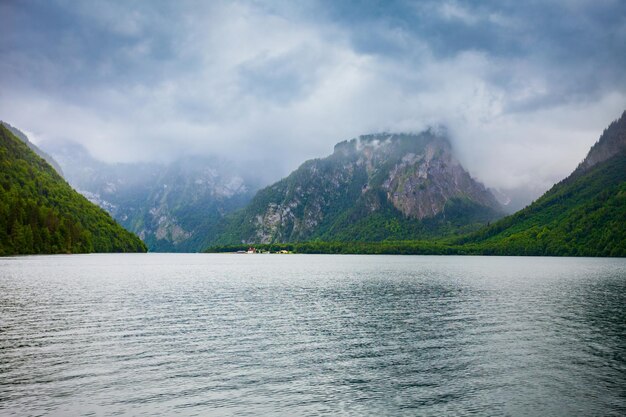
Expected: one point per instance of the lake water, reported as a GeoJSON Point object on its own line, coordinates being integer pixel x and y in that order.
{"type": "Point", "coordinates": [297, 335]}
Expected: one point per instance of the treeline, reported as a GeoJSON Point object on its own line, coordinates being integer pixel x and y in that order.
{"type": "Point", "coordinates": [40, 212]}
{"type": "Point", "coordinates": [503, 248]}
{"type": "Point", "coordinates": [27, 228]}
{"type": "Point", "coordinates": [371, 248]}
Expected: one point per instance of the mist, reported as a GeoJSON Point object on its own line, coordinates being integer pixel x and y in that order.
{"type": "Point", "coordinates": [524, 89]}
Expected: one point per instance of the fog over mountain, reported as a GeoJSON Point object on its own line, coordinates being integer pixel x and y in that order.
{"type": "Point", "coordinates": [523, 87]}
{"type": "Point", "coordinates": [171, 207]}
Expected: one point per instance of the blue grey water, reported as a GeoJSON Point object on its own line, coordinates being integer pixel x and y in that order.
{"type": "Point", "coordinates": [210, 334]}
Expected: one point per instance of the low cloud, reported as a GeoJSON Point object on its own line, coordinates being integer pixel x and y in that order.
{"type": "Point", "coordinates": [270, 84]}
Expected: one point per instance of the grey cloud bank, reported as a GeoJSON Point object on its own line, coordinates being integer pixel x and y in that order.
{"type": "Point", "coordinates": [524, 87]}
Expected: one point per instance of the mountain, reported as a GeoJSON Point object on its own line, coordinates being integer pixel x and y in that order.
{"type": "Point", "coordinates": [20, 135]}
{"type": "Point", "coordinates": [173, 207]}
{"type": "Point", "coordinates": [583, 215]}
{"type": "Point", "coordinates": [375, 187]}
{"type": "Point", "coordinates": [41, 213]}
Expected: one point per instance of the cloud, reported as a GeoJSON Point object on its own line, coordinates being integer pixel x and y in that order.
{"type": "Point", "coordinates": [525, 88]}
{"type": "Point", "coordinates": [454, 11]}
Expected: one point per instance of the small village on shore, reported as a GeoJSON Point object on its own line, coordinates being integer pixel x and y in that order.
{"type": "Point", "coordinates": [253, 251]}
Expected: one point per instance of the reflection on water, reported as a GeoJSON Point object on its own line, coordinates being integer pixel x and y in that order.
{"type": "Point", "coordinates": [309, 335]}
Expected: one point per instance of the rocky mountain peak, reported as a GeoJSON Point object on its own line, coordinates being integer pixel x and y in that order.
{"type": "Point", "coordinates": [384, 143]}
{"type": "Point", "coordinates": [399, 178]}
{"type": "Point", "coordinates": [418, 173]}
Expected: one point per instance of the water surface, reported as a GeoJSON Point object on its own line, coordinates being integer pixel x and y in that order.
{"type": "Point", "coordinates": [168, 334]}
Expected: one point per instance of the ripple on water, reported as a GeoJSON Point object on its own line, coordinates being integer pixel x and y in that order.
{"type": "Point", "coordinates": [311, 335]}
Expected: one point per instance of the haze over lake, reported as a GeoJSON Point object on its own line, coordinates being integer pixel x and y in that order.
{"type": "Point", "coordinates": [196, 334]}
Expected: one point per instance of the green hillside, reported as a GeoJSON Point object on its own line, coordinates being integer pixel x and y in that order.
{"type": "Point", "coordinates": [40, 213]}
{"type": "Point", "coordinates": [584, 215]}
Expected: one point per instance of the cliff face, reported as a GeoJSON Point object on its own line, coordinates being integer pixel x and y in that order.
{"type": "Point", "coordinates": [371, 188]}
{"type": "Point", "coordinates": [420, 184]}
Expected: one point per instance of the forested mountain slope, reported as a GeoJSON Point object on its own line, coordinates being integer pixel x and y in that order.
{"type": "Point", "coordinates": [20, 135]}
{"type": "Point", "coordinates": [583, 215]}
{"type": "Point", "coordinates": [40, 212]}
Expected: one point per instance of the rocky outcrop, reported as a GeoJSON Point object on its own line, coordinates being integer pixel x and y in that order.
{"type": "Point", "coordinates": [407, 176]}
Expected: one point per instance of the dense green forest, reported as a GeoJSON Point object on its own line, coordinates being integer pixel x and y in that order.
{"type": "Point", "coordinates": [408, 247]}
{"type": "Point", "coordinates": [40, 213]}
{"type": "Point", "coordinates": [584, 215]}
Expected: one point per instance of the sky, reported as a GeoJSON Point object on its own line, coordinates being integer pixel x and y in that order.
{"type": "Point", "coordinates": [524, 87]}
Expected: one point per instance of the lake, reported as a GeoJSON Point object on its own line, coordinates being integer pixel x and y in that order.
{"type": "Point", "coordinates": [227, 334]}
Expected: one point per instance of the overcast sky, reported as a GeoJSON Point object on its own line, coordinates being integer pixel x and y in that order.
{"type": "Point", "coordinates": [525, 87]}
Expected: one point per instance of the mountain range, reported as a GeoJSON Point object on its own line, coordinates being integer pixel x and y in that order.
{"type": "Point", "coordinates": [374, 187]}
{"type": "Point", "coordinates": [173, 207]}
{"type": "Point", "coordinates": [381, 193]}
